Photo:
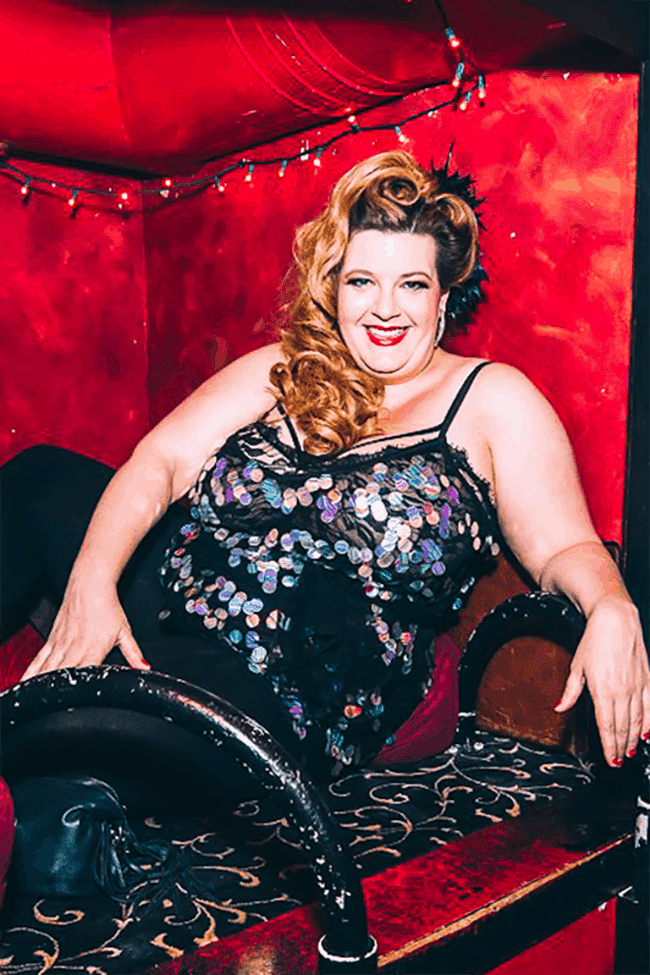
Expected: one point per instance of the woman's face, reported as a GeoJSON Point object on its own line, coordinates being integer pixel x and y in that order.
{"type": "Point", "coordinates": [388, 302]}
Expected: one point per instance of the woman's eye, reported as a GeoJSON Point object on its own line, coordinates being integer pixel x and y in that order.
{"type": "Point", "coordinates": [358, 282]}
{"type": "Point", "coordinates": [415, 285]}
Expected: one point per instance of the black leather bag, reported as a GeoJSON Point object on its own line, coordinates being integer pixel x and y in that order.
{"type": "Point", "coordinates": [73, 839]}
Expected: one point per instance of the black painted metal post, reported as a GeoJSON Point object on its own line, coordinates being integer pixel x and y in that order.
{"type": "Point", "coordinates": [636, 528]}
{"type": "Point", "coordinates": [636, 523]}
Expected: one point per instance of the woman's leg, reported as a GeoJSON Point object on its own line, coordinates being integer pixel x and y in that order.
{"type": "Point", "coordinates": [216, 667]}
{"type": "Point", "coordinates": [37, 544]}
{"type": "Point", "coordinates": [47, 497]}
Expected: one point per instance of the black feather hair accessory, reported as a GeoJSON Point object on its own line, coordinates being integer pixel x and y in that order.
{"type": "Point", "coordinates": [463, 298]}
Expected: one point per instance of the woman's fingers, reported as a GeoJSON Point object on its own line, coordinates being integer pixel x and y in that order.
{"type": "Point", "coordinates": [55, 658]}
{"type": "Point", "coordinates": [621, 719]}
{"type": "Point", "coordinates": [39, 661]}
{"type": "Point", "coordinates": [132, 652]}
{"type": "Point", "coordinates": [621, 722]}
{"type": "Point", "coordinates": [572, 689]}
{"type": "Point", "coordinates": [635, 725]}
{"type": "Point", "coordinates": [46, 660]}
{"type": "Point", "coordinates": [606, 722]}
{"type": "Point", "coordinates": [622, 728]}
{"type": "Point", "coordinates": [645, 724]}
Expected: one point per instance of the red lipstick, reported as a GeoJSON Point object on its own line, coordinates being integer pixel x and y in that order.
{"type": "Point", "coordinates": [388, 336]}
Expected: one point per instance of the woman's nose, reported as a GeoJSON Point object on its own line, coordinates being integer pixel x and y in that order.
{"type": "Point", "coordinates": [384, 306]}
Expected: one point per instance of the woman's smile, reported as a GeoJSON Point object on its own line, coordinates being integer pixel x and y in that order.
{"type": "Point", "coordinates": [385, 336]}
{"type": "Point", "coordinates": [388, 302]}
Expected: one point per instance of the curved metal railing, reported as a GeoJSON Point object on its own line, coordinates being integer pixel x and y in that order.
{"type": "Point", "coordinates": [346, 945]}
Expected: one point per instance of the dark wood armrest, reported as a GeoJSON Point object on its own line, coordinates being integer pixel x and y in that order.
{"type": "Point", "coordinates": [524, 677]}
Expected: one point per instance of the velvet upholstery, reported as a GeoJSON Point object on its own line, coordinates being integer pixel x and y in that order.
{"type": "Point", "coordinates": [246, 868]}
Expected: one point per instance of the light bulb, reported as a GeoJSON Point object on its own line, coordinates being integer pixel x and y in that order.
{"type": "Point", "coordinates": [453, 41]}
{"type": "Point", "coordinates": [459, 74]}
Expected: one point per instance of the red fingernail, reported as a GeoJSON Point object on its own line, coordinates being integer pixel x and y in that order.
{"type": "Point", "coordinates": [617, 762]}
{"type": "Point", "coordinates": [632, 753]}
{"type": "Point", "coordinates": [646, 736]}
{"type": "Point", "coordinates": [557, 703]}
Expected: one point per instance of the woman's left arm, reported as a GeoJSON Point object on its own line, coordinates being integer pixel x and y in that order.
{"type": "Point", "coordinates": [544, 519]}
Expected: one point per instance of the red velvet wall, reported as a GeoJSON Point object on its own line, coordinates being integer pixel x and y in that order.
{"type": "Point", "coordinates": [73, 355]}
{"type": "Point", "coordinates": [97, 307]}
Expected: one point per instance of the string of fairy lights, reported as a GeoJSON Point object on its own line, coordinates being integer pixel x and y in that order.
{"type": "Point", "coordinates": [466, 81]}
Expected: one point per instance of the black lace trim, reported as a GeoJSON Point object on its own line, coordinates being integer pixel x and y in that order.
{"type": "Point", "coordinates": [347, 461]}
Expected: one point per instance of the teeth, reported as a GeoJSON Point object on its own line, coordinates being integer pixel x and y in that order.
{"type": "Point", "coordinates": [387, 333]}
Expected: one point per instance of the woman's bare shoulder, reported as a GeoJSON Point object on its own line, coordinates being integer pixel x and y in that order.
{"type": "Point", "coordinates": [498, 374]}
{"type": "Point", "coordinates": [501, 396]}
{"type": "Point", "coordinates": [511, 406]}
{"type": "Point", "coordinates": [247, 373]}
{"type": "Point", "coordinates": [237, 394]}
{"type": "Point", "coordinates": [258, 362]}
{"type": "Point", "coordinates": [507, 383]}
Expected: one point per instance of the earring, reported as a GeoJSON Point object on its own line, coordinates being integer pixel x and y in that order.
{"type": "Point", "coordinates": [440, 327]}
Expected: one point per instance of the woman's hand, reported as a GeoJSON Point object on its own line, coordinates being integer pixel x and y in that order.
{"type": "Point", "coordinates": [89, 624]}
{"type": "Point", "coordinates": [612, 661]}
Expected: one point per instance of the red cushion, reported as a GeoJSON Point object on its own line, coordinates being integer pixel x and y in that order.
{"type": "Point", "coordinates": [431, 727]}
{"type": "Point", "coordinates": [17, 654]}
{"type": "Point", "coordinates": [6, 834]}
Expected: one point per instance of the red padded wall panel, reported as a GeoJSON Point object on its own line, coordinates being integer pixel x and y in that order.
{"type": "Point", "coordinates": [73, 357]}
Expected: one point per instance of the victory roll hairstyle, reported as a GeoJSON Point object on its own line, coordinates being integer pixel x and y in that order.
{"type": "Point", "coordinates": [334, 402]}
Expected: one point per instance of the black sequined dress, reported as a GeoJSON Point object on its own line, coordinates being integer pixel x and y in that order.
{"type": "Point", "coordinates": [334, 574]}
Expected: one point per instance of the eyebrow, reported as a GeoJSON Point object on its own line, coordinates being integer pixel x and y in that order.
{"type": "Point", "coordinates": [409, 274]}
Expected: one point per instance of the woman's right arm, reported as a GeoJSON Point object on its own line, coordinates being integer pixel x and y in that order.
{"type": "Point", "coordinates": [161, 469]}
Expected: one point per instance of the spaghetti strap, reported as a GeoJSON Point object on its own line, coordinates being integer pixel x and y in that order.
{"type": "Point", "coordinates": [459, 397]}
{"type": "Point", "coordinates": [290, 427]}
{"type": "Point", "coordinates": [439, 428]}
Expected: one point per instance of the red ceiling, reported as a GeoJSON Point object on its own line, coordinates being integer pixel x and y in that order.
{"type": "Point", "coordinates": [162, 87]}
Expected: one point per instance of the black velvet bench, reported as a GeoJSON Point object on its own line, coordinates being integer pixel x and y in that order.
{"type": "Point", "coordinates": [467, 861]}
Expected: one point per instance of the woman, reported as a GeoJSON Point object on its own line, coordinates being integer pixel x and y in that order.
{"type": "Point", "coordinates": [348, 486]}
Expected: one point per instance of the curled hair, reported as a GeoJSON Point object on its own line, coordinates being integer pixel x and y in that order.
{"type": "Point", "coordinates": [333, 400]}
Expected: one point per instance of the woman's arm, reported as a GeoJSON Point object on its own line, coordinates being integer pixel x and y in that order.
{"type": "Point", "coordinates": [544, 519]}
{"type": "Point", "coordinates": [161, 469]}
{"type": "Point", "coordinates": [612, 657]}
